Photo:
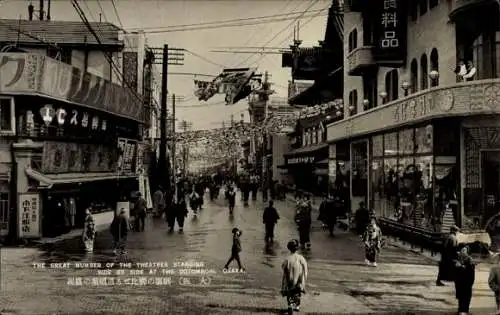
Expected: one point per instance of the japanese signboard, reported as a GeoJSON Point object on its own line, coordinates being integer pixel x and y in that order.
{"type": "Point", "coordinates": [29, 215]}
{"type": "Point", "coordinates": [33, 74]}
{"type": "Point", "coordinates": [65, 157]}
{"type": "Point", "coordinates": [127, 150]}
{"type": "Point", "coordinates": [390, 32]}
{"type": "Point", "coordinates": [300, 160]}
{"type": "Point", "coordinates": [307, 63]}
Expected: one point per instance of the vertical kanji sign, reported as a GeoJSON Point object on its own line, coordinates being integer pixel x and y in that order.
{"type": "Point", "coordinates": [29, 215]}
{"type": "Point", "coordinates": [391, 31]}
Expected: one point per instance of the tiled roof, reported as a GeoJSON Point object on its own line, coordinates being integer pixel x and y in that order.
{"type": "Point", "coordinates": [57, 32]}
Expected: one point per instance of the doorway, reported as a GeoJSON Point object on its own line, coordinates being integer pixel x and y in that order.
{"type": "Point", "coordinates": [490, 174]}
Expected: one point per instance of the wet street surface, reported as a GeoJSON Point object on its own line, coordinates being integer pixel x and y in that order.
{"type": "Point", "coordinates": [339, 282]}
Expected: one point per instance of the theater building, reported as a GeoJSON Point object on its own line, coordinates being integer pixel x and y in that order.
{"type": "Point", "coordinates": [419, 144]}
{"type": "Point", "coordinates": [70, 129]}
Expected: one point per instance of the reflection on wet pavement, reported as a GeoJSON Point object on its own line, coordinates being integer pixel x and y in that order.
{"type": "Point", "coordinates": [338, 279]}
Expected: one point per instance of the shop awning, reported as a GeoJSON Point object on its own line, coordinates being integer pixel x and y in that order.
{"type": "Point", "coordinates": [321, 171]}
{"type": "Point", "coordinates": [48, 180]}
{"type": "Point", "coordinates": [307, 149]}
{"type": "Point", "coordinates": [325, 161]}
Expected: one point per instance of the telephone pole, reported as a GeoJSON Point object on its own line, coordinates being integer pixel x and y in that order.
{"type": "Point", "coordinates": [171, 56]}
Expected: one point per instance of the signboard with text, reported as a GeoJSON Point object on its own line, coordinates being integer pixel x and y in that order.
{"type": "Point", "coordinates": [390, 31]}
{"type": "Point", "coordinates": [40, 75]}
{"type": "Point", "coordinates": [300, 160]}
{"type": "Point", "coordinates": [126, 155]}
{"type": "Point", "coordinates": [29, 215]}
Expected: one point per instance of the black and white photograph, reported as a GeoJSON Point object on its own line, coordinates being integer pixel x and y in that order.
{"type": "Point", "coordinates": [234, 157]}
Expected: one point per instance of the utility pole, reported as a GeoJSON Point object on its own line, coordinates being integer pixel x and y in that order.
{"type": "Point", "coordinates": [164, 172]}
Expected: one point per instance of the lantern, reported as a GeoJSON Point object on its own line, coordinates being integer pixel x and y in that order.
{"type": "Point", "coordinates": [47, 112]}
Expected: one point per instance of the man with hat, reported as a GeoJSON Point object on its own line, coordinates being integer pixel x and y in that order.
{"type": "Point", "coordinates": [448, 257]}
{"type": "Point", "coordinates": [295, 271]}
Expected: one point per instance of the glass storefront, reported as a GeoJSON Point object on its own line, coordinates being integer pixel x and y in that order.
{"type": "Point", "coordinates": [402, 177]}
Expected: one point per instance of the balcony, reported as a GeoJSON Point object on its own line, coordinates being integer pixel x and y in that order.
{"type": "Point", "coordinates": [359, 60]}
{"type": "Point", "coordinates": [38, 75]}
{"type": "Point", "coordinates": [465, 7]}
{"type": "Point", "coordinates": [481, 97]}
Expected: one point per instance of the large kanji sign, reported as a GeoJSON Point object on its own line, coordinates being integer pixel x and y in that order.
{"type": "Point", "coordinates": [390, 30]}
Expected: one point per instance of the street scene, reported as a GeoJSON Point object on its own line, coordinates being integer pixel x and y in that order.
{"type": "Point", "coordinates": [339, 282]}
{"type": "Point", "coordinates": [249, 157]}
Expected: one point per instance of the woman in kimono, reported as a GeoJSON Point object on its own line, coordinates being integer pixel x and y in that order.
{"type": "Point", "coordinates": [293, 283]}
{"type": "Point", "coordinates": [372, 238]}
{"type": "Point", "coordinates": [303, 220]}
{"type": "Point", "coordinates": [88, 236]}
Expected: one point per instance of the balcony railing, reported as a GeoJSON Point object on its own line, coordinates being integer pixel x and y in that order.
{"type": "Point", "coordinates": [360, 59]}
{"type": "Point", "coordinates": [38, 75]}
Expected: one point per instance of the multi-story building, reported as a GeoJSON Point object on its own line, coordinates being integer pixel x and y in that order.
{"type": "Point", "coordinates": [420, 141]}
{"type": "Point", "coordinates": [70, 125]}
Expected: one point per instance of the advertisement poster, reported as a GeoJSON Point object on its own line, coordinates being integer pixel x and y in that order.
{"type": "Point", "coordinates": [29, 215]}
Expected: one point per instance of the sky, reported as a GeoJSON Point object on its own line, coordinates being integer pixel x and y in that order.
{"type": "Point", "coordinates": [148, 14]}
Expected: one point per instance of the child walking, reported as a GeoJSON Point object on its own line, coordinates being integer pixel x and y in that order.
{"type": "Point", "coordinates": [294, 277]}
{"type": "Point", "coordinates": [372, 239]}
{"type": "Point", "coordinates": [235, 250]}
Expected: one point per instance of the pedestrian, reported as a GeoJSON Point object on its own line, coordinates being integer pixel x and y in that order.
{"type": "Point", "coordinates": [448, 257]}
{"type": "Point", "coordinates": [465, 274]}
{"type": "Point", "coordinates": [235, 249]}
{"type": "Point", "coordinates": [88, 236]}
{"type": "Point", "coordinates": [194, 201]}
{"type": "Point", "coordinates": [361, 218]}
{"type": "Point", "coordinates": [231, 199]}
{"type": "Point", "coordinates": [119, 231]}
{"type": "Point", "coordinates": [328, 213]}
{"type": "Point", "coordinates": [269, 218]}
{"type": "Point", "coordinates": [494, 284]}
{"type": "Point", "coordinates": [304, 221]}
{"type": "Point", "coordinates": [372, 239]}
{"type": "Point", "coordinates": [158, 202]}
{"type": "Point", "coordinates": [293, 283]}
{"type": "Point", "coordinates": [181, 212]}
{"type": "Point", "coordinates": [140, 208]}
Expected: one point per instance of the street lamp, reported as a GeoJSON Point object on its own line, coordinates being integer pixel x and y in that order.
{"type": "Point", "coordinates": [366, 103]}
{"type": "Point", "coordinates": [383, 96]}
{"type": "Point", "coordinates": [434, 76]}
{"type": "Point", "coordinates": [405, 86]}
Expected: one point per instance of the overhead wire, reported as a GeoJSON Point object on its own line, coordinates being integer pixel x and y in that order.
{"type": "Point", "coordinates": [257, 18]}
{"type": "Point", "coordinates": [281, 31]}
{"type": "Point", "coordinates": [258, 30]}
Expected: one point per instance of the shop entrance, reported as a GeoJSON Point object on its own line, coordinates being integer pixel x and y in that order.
{"type": "Point", "coordinates": [490, 174]}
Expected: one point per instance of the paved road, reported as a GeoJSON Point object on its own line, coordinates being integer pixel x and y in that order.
{"type": "Point", "coordinates": [339, 283]}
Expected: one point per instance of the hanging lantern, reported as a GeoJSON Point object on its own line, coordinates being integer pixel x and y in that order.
{"type": "Point", "coordinates": [47, 112]}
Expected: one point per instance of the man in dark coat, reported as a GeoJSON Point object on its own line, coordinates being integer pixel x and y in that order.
{"type": "Point", "coordinates": [448, 257]}
{"type": "Point", "coordinates": [119, 231]}
{"type": "Point", "coordinates": [465, 275]}
{"type": "Point", "coordinates": [328, 211]}
{"type": "Point", "coordinates": [140, 208]}
{"type": "Point", "coordinates": [181, 212]}
{"type": "Point", "coordinates": [269, 219]}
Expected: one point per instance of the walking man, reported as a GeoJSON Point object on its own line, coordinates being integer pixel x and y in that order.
{"type": "Point", "coordinates": [448, 257]}
{"type": "Point", "coordinates": [235, 249]}
{"type": "Point", "coordinates": [140, 208]}
{"type": "Point", "coordinates": [119, 231]}
{"type": "Point", "coordinates": [270, 218]}
{"type": "Point", "coordinates": [158, 202]}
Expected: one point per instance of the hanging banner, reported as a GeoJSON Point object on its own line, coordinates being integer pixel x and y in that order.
{"type": "Point", "coordinates": [390, 31]}
{"type": "Point", "coordinates": [232, 82]}
{"type": "Point", "coordinates": [29, 215]}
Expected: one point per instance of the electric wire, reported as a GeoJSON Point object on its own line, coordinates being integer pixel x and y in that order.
{"type": "Point", "coordinates": [287, 27]}
{"type": "Point", "coordinates": [204, 58]}
{"type": "Point", "coordinates": [258, 18]}
{"type": "Point", "coordinates": [258, 30]}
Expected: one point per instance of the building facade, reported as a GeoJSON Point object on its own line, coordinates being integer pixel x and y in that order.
{"type": "Point", "coordinates": [418, 143]}
{"type": "Point", "coordinates": [70, 127]}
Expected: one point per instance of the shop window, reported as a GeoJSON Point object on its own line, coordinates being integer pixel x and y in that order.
{"type": "Point", "coordinates": [390, 201]}
{"type": "Point", "coordinates": [391, 144]}
{"type": "Point", "coordinates": [353, 102]}
{"type": "Point", "coordinates": [392, 85]}
{"type": "Point", "coordinates": [414, 76]}
{"type": "Point", "coordinates": [424, 139]}
{"type": "Point", "coordinates": [353, 40]}
{"type": "Point", "coordinates": [414, 10]}
{"type": "Point", "coordinates": [435, 65]}
{"type": "Point", "coordinates": [377, 184]}
{"type": "Point", "coordinates": [359, 170]}
{"type": "Point", "coordinates": [424, 73]}
{"type": "Point", "coordinates": [422, 6]}
{"type": "Point", "coordinates": [7, 115]}
{"type": "Point", "coordinates": [424, 209]}
{"type": "Point", "coordinates": [406, 142]}
{"type": "Point", "coordinates": [378, 146]}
